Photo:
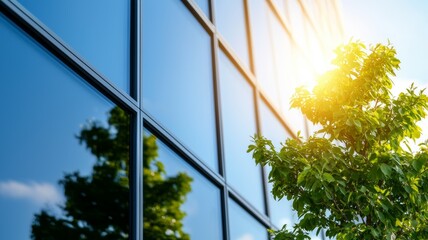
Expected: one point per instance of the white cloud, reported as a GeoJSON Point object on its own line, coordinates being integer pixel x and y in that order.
{"type": "Point", "coordinates": [246, 236]}
{"type": "Point", "coordinates": [38, 193]}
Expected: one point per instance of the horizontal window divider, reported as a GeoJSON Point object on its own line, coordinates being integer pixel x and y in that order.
{"type": "Point", "coordinates": [171, 141]}
{"type": "Point", "coordinates": [199, 15]}
{"type": "Point", "coordinates": [242, 202]}
{"type": "Point", "coordinates": [227, 49]}
{"type": "Point", "coordinates": [264, 97]}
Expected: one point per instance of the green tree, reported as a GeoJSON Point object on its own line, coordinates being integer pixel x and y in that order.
{"type": "Point", "coordinates": [97, 206]}
{"type": "Point", "coordinates": [356, 177]}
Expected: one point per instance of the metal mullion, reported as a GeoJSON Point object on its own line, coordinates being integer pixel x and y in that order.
{"type": "Point", "coordinates": [255, 101]}
{"type": "Point", "coordinates": [262, 169]}
{"type": "Point", "coordinates": [199, 15]}
{"type": "Point", "coordinates": [248, 207]}
{"type": "Point", "coordinates": [282, 21]}
{"type": "Point", "coordinates": [278, 115]}
{"type": "Point", "coordinates": [250, 78]}
{"type": "Point", "coordinates": [135, 50]}
{"type": "Point", "coordinates": [289, 32]}
{"type": "Point", "coordinates": [137, 124]}
{"type": "Point", "coordinates": [172, 142]}
{"type": "Point", "coordinates": [220, 144]}
{"type": "Point", "coordinates": [136, 179]}
{"type": "Point", "coordinates": [36, 30]}
{"type": "Point", "coordinates": [224, 46]}
{"type": "Point", "coordinates": [249, 34]}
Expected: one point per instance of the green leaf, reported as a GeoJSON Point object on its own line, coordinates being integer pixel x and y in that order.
{"type": "Point", "coordinates": [386, 169]}
{"type": "Point", "coordinates": [303, 174]}
{"type": "Point", "coordinates": [418, 163]}
{"type": "Point", "coordinates": [328, 177]}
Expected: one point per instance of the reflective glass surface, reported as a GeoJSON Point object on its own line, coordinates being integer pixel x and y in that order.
{"type": "Point", "coordinates": [238, 126]}
{"type": "Point", "coordinates": [261, 29]}
{"type": "Point", "coordinates": [286, 72]}
{"type": "Point", "coordinates": [243, 226]}
{"type": "Point", "coordinates": [64, 150]}
{"type": "Point", "coordinates": [177, 200]}
{"type": "Point", "coordinates": [177, 76]}
{"type": "Point", "coordinates": [280, 211]}
{"type": "Point", "coordinates": [99, 30]}
{"type": "Point", "coordinates": [204, 5]}
{"type": "Point", "coordinates": [230, 20]}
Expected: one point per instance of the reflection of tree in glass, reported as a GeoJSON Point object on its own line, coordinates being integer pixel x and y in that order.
{"type": "Point", "coordinates": [97, 206]}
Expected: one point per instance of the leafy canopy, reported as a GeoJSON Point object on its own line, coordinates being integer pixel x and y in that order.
{"type": "Point", "coordinates": [356, 177]}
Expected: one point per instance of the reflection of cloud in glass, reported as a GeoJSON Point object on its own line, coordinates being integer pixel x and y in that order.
{"type": "Point", "coordinates": [246, 236]}
{"type": "Point", "coordinates": [39, 193]}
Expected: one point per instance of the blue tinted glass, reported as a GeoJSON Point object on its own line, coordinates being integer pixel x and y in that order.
{"type": "Point", "coordinates": [177, 76]}
{"type": "Point", "coordinates": [238, 126]}
{"type": "Point", "coordinates": [99, 30]}
{"type": "Point", "coordinates": [243, 226]}
{"type": "Point", "coordinates": [173, 186]}
{"type": "Point", "coordinates": [205, 6]}
{"type": "Point", "coordinates": [271, 126]}
{"type": "Point", "coordinates": [288, 79]}
{"type": "Point", "coordinates": [280, 211]}
{"type": "Point", "coordinates": [62, 144]}
{"type": "Point", "coordinates": [230, 20]}
{"type": "Point", "coordinates": [261, 31]}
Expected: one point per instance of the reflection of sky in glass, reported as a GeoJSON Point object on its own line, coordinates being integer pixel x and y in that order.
{"type": "Point", "coordinates": [202, 206]}
{"type": "Point", "coordinates": [272, 129]}
{"type": "Point", "coordinates": [177, 76]}
{"type": "Point", "coordinates": [243, 226]}
{"type": "Point", "coordinates": [288, 80]}
{"type": "Point", "coordinates": [238, 126]}
{"type": "Point", "coordinates": [204, 5]}
{"type": "Point", "coordinates": [45, 106]}
{"type": "Point", "coordinates": [97, 29]}
{"type": "Point", "coordinates": [263, 52]}
{"type": "Point", "coordinates": [230, 21]}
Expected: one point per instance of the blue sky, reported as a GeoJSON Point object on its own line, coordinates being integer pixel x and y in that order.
{"type": "Point", "coordinates": [404, 23]}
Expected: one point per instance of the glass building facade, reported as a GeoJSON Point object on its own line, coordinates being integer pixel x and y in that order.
{"type": "Point", "coordinates": [130, 119]}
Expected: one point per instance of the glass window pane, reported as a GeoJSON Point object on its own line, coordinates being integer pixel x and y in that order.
{"type": "Point", "coordinates": [280, 211]}
{"type": "Point", "coordinates": [204, 5]}
{"type": "Point", "coordinates": [243, 226]}
{"type": "Point", "coordinates": [177, 76]}
{"type": "Point", "coordinates": [263, 51]}
{"type": "Point", "coordinates": [238, 126]}
{"type": "Point", "coordinates": [296, 18]}
{"type": "Point", "coordinates": [98, 30]}
{"type": "Point", "coordinates": [286, 72]}
{"type": "Point", "coordinates": [64, 158]}
{"type": "Point", "coordinates": [230, 20]}
{"type": "Point", "coordinates": [173, 188]}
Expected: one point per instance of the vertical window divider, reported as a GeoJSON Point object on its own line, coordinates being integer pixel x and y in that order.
{"type": "Point", "coordinates": [256, 100]}
{"type": "Point", "coordinates": [137, 137]}
{"type": "Point", "coordinates": [135, 50]}
{"type": "Point", "coordinates": [136, 183]}
{"type": "Point", "coordinates": [249, 38]}
{"type": "Point", "coordinates": [219, 130]}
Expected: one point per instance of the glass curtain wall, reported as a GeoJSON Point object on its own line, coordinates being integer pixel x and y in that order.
{"type": "Point", "coordinates": [130, 119]}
